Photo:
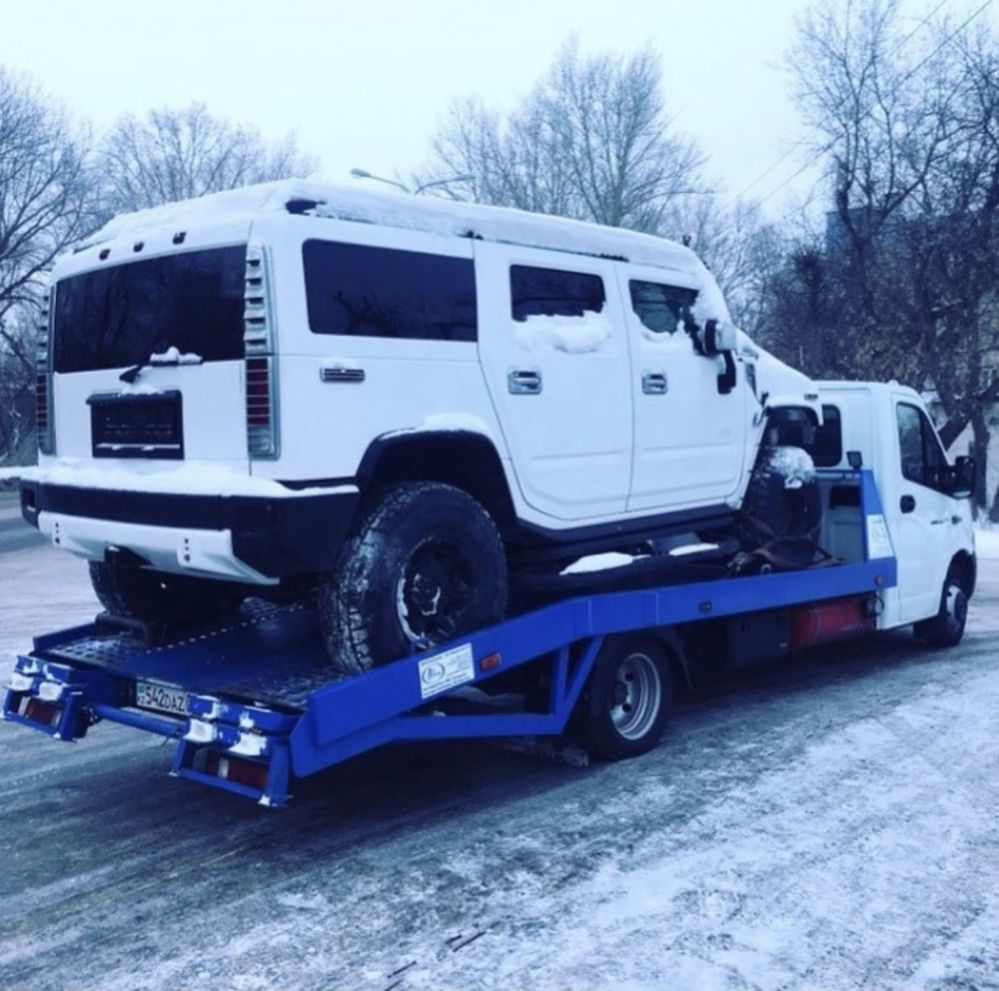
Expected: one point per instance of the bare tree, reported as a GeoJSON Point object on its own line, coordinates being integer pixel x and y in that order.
{"type": "Point", "coordinates": [903, 282]}
{"type": "Point", "coordinates": [591, 141]}
{"type": "Point", "coordinates": [46, 203]}
{"type": "Point", "coordinates": [180, 154]}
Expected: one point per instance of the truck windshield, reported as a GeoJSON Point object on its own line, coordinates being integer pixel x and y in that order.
{"type": "Point", "coordinates": [119, 316]}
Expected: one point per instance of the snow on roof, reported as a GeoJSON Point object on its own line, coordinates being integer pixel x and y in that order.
{"type": "Point", "coordinates": [428, 214]}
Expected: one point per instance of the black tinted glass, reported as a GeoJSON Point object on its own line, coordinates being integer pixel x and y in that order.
{"type": "Point", "coordinates": [827, 450]}
{"type": "Point", "coordinates": [362, 291]}
{"type": "Point", "coordinates": [661, 308]}
{"type": "Point", "coordinates": [119, 316]}
{"type": "Point", "coordinates": [553, 293]}
{"type": "Point", "coordinates": [910, 441]}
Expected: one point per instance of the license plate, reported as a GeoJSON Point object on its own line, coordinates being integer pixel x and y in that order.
{"type": "Point", "coordinates": [161, 698]}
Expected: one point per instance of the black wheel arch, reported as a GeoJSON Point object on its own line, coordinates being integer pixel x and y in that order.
{"type": "Point", "coordinates": [462, 458]}
{"type": "Point", "coordinates": [965, 565]}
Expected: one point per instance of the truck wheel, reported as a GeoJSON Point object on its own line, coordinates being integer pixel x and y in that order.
{"type": "Point", "coordinates": [947, 628]}
{"type": "Point", "coordinates": [782, 498]}
{"type": "Point", "coordinates": [625, 709]}
{"type": "Point", "coordinates": [425, 564]}
{"type": "Point", "coordinates": [158, 597]}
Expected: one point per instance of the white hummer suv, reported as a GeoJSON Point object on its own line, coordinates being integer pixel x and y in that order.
{"type": "Point", "coordinates": [387, 398]}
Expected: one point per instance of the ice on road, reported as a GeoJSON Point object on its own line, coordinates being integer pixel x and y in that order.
{"type": "Point", "coordinates": [830, 822]}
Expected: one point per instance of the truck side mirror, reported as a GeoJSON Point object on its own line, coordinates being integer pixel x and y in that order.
{"type": "Point", "coordinates": [961, 478]}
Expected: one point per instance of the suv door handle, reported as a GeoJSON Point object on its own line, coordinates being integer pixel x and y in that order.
{"type": "Point", "coordinates": [907, 503]}
{"type": "Point", "coordinates": [655, 383]}
{"type": "Point", "coordinates": [523, 381]}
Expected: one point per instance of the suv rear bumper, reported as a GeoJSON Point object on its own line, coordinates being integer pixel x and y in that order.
{"type": "Point", "coordinates": [246, 538]}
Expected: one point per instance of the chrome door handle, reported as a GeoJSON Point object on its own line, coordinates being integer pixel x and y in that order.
{"type": "Point", "coordinates": [523, 381]}
{"type": "Point", "coordinates": [655, 383]}
{"type": "Point", "coordinates": [337, 374]}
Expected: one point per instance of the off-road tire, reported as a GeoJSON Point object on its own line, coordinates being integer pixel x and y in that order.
{"type": "Point", "coordinates": [625, 707]}
{"type": "Point", "coordinates": [770, 510]}
{"type": "Point", "coordinates": [157, 597]}
{"type": "Point", "coordinates": [425, 564]}
{"type": "Point", "coordinates": [947, 628]}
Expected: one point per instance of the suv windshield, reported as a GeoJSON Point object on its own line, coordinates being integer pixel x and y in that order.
{"type": "Point", "coordinates": [119, 316]}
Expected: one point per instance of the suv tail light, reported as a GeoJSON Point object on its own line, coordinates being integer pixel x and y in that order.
{"type": "Point", "coordinates": [43, 378]}
{"type": "Point", "coordinates": [260, 360]}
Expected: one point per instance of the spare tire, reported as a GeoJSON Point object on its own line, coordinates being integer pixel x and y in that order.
{"type": "Point", "coordinates": [782, 499]}
{"type": "Point", "coordinates": [424, 564]}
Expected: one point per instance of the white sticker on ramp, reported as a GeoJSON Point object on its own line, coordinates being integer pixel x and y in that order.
{"type": "Point", "coordinates": [448, 670]}
{"type": "Point", "coordinates": [878, 541]}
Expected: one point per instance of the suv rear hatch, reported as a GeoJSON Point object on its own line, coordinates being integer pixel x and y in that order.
{"type": "Point", "coordinates": [148, 361]}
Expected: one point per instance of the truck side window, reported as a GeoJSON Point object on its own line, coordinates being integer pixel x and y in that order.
{"type": "Point", "coordinates": [552, 292]}
{"type": "Point", "coordinates": [660, 308]}
{"type": "Point", "coordinates": [923, 459]}
{"type": "Point", "coordinates": [364, 291]}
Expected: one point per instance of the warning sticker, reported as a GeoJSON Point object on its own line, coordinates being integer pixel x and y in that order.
{"type": "Point", "coordinates": [878, 541]}
{"type": "Point", "coordinates": [448, 670]}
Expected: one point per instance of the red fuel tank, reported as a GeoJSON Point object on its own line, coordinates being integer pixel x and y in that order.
{"type": "Point", "coordinates": [826, 622]}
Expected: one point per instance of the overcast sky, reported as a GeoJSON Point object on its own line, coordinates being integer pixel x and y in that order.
{"type": "Point", "coordinates": [365, 83]}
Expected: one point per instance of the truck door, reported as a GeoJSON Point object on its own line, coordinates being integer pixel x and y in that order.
{"type": "Point", "coordinates": [689, 437]}
{"type": "Point", "coordinates": [925, 515]}
{"type": "Point", "coordinates": [555, 355]}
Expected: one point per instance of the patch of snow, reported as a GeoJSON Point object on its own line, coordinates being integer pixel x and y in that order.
{"type": "Point", "coordinates": [139, 389]}
{"type": "Point", "coordinates": [692, 549]}
{"type": "Point", "coordinates": [573, 335]}
{"type": "Point", "coordinates": [600, 562]}
{"type": "Point", "coordinates": [794, 464]}
{"type": "Point", "coordinates": [187, 479]}
{"type": "Point", "coordinates": [987, 544]}
{"type": "Point", "coordinates": [174, 356]}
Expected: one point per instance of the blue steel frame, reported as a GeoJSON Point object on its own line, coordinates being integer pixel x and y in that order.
{"type": "Point", "coordinates": [389, 704]}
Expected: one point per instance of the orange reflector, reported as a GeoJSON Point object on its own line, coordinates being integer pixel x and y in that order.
{"type": "Point", "coordinates": [489, 662]}
{"type": "Point", "coordinates": [244, 772]}
{"type": "Point", "coordinates": [42, 712]}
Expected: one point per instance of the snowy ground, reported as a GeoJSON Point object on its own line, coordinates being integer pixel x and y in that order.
{"type": "Point", "coordinates": [830, 823]}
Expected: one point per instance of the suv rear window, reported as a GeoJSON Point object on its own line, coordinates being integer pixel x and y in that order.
{"type": "Point", "coordinates": [362, 291]}
{"type": "Point", "coordinates": [551, 292]}
{"type": "Point", "coordinates": [119, 316]}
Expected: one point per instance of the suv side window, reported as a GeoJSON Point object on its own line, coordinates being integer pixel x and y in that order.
{"type": "Point", "coordinates": [364, 291]}
{"type": "Point", "coordinates": [923, 459]}
{"type": "Point", "coordinates": [661, 308]}
{"type": "Point", "coordinates": [552, 292]}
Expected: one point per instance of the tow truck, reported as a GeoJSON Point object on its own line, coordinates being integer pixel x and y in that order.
{"type": "Point", "coordinates": [253, 706]}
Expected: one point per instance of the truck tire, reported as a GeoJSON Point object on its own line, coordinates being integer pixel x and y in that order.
{"type": "Point", "coordinates": [624, 710]}
{"type": "Point", "coordinates": [780, 503]}
{"type": "Point", "coordinates": [947, 628]}
{"type": "Point", "coordinates": [157, 597]}
{"type": "Point", "coordinates": [425, 564]}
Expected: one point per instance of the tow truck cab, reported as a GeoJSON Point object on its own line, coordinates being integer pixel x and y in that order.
{"type": "Point", "coordinates": [927, 520]}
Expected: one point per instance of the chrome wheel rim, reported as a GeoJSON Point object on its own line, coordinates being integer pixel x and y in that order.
{"type": "Point", "coordinates": [637, 696]}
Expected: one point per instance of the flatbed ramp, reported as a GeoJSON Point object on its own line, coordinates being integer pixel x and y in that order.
{"type": "Point", "coordinates": [253, 703]}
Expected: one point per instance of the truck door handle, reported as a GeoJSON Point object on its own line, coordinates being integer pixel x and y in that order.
{"type": "Point", "coordinates": [655, 383]}
{"type": "Point", "coordinates": [523, 381]}
{"type": "Point", "coordinates": [907, 503]}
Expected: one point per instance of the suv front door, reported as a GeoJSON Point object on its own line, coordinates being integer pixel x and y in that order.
{"type": "Point", "coordinates": [690, 437]}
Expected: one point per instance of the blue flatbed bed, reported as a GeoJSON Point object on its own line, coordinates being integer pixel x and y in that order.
{"type": "Point", "coordinates": [253, 704]}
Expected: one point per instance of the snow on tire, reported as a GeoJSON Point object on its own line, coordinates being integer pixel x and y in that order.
{"type": "Point", "coordinates": [425, 564]}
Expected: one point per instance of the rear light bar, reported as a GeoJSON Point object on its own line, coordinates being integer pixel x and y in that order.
{"type": "Point", "coordinates": [43, 378]}
{"type": "Point", "coordinates": [261, 363]}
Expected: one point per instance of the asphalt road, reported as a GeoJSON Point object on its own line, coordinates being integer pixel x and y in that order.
{"type": "Point", "coordinates": [15, 534]}
{"type": "Point", "coordinates": [832, 822]}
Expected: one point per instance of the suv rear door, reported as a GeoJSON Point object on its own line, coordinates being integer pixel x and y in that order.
{"type": "Point", "coordinates": [554, 351]}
